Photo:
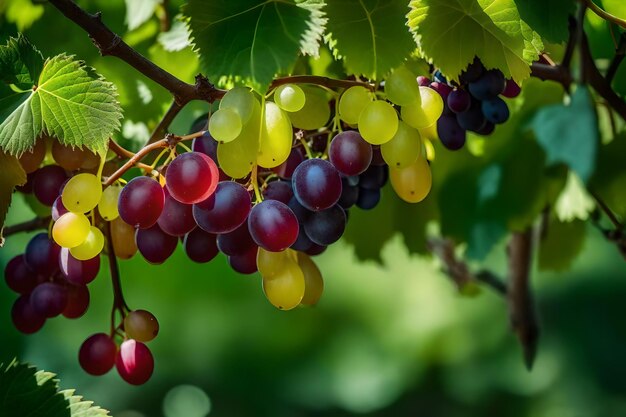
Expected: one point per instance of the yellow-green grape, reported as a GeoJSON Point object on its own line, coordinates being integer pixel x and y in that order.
{"type": "Point", "coordinates": [241, 100]}
{"type": "Point", "coordinates": [82, 193]}
{"type": "Point", "coordinates": [404, 148]}
{"type": "Point", "coordinates": [237, 158]}
{"type": "Point", "coordinates": [276, 137]}
{"type": "Point", "coordinates": [285, 290]}
{"type": "Point", "coordinates": [412, 184]}
{"type": "Point", "coordinates": [289, 97]}
{"type": "Point", "coordinates": [313, 281]}
{"type": "Point", "coordinates": [271, 264]}
{"type": "Point", "coordinates": [71, 230]}
{"type": "Point", "coordinates": [91, 247]}
{"type": "Point", "coordinates": [430, 132]}
{"type": "Point", "coordinates": [378, 122]}
{"type": "Point", "coordinates": [316, 111]}
{"type": "Point", "coordinates": [352, 103]}
{"type": "Point", "coordinates": [401, 87]}
{"type": "Point", "coordinates": [425, 113]}
{"type": "Point", "coordinates": [225, 125]}
{"type": "Point", "coordinates": [429, 149]}
{"type": "Point", "coordinates": [107, 207]}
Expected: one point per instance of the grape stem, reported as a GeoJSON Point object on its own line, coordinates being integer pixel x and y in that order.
{"type": "Point", "coordinates": [604, 14]}
{"type": "Point", "coordinates": [321, 81]}
{"type": "Point", "coordinates": [125, 153]}
{"type": "Point", "coordinates": [119, 304]}
{"type": "Point", "coordinates": [255, 183]}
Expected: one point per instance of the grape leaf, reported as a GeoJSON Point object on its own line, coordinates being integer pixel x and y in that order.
{"type": "Point", "coordinates": [11, 175]}
{"type": "Point", "coordinates": [20, 63]}
{"type": "Point", "coordinates": [371, 26]}
{"type": "Point", "coordinates": [177, 38]}
{"type": "Point", "coordinates": [69, 101]}
{"type": "Point", "coordinates": [253, 40]}
{"type": "Point", "coordinates": [548, 18]}
{"type": "Point", "coordinates": [139, 11]}
{"type": "Point", "coordinates": [450, 33]}
{"type": "Point", "coordinates": [569, 134]}
{"type": "Point", "coordinates": [562, 244]}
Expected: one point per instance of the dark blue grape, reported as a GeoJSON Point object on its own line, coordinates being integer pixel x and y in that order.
{"type": "Point", "coordinates": [349, 194]}
{"type": "Point", "coordinates": [368, 198]}
{"type": "Point", "coordinates": [374, 178]}
{"type": "Point", "coordinates": [472, 119]}
{"type": "Point", "coordinates": [495, 110]}
{"type": "Point", "coordinates": [452, 135]}
{"type": "Point", "coordinates": [278, 190]}
{"type": "Point", "coordinates": [326, 226]}
{"type": "Point", "coordinates": [459, 101]}
{"type": "Point", "coordinates": [490, 85]}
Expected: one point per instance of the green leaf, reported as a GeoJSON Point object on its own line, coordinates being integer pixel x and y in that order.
{"type": "Point", "coordinates": [139, 11]}
{"type": "Point", "coordinates": [11, 175]}
{"type": "Point", "coordinates": [20, 63]}
{"type": "Point", "coordinates": [562, 244]}
{"type": "Point", "coordinates": [569, 134]}
{"type": "Point", "coordinates": [548, 18]}
{"type": "Point", "coordinates": [177, 38]}
{"type": "Point", "coordinates": [377, 27]}
{"type": "Point", "coordinates": [252, 40]}
{"type": "Point", "coordinates": [23, 13]}
{"type": "Point", "coordinates": [450, 33]}
{"type": "Point", "coordinates": [70, 102]}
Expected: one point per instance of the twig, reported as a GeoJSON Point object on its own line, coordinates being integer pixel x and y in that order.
{"type": "Point", "coordinates": [163, 14]}
{"type": "Point", "coordinates": [165, 122]}
{"type": "Point", "coordinates": [557, 73]}
{"type": "Point", "coordinates": [323, 81]}
{"type": "Point", "coordinates": [620, 53]}
{"type": "Point", "coordinates": [571, 44]}
{"type": "Point", "coordinates": [125, 153]}
{"type": "Point", "coordinates": [28, 226]}
{"type": "Point", "coordinates": [609, 213]}
{"type": "Point", "coordinates": [119, 304]}
{"type": "Point", "coordinates": [604, 14]}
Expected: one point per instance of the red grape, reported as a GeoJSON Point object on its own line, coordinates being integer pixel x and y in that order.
{"type": "Point", "coordinates": [326, 226]}
{"type": "Point", "coordinates": [24, 317]}
{"type": "Point", "coordinates": [49, 299]}
{"type": "Point", "coordinates": [200, 246]}
{"type": "Point", "coordinates": [77, 301]}
{"type": "Point", "coordinates": [134, 362]}
{"type": "Point", "coordinates": [246, 262]}
{"type": "Point", "coordinates": [141, 202]}
{"type": "Point", "coordinates": [350, 153]}
{"type": "Point", "coordinates": [237, 242]}
{"type": "Point", "coordinates": [273, 226]}
{"type": "Point", "coordinates": [97, 354]}
{"type": "Point", "coordinates": [278, 190]}
{"type": "Point", "coordinates": [42, 254]}
{"type": "Point", "coordinates": [19, 277]}
{"type": "Point", "coordinates": [78, 272]}
{"type": "Point", "coordinates": [155, 245]}
{"type": "Point", "coordinates": [47, 183]}
{"type": "Point", "coordinates": [191, 177]}
{"type": "Point", "coordinates": [316, 184]}
{"type": "Point", "coordinates": [225, 210]}
{"type": "Point", "coordinates": [176, 218]}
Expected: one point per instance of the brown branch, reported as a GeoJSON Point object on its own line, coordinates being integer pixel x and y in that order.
{"type": "Point", "coordinates": [28, 226]}
{"type": "Point", "coordinates": [119, 303]}
{"type": "Point", "coordinates": [571, 43]}
{"type": "Point", "coordinates": [125, 153]}
{"type": "Point", "coordinates": [165, 122]}
{"type": "Point", "coordinates": [620, 54]}
{"type": "Point", "coordinates": [604, 14]}
{"type": "Point", "coordinates": [323, 81]}
{"type": "Point", "coordinates": [557, 73]}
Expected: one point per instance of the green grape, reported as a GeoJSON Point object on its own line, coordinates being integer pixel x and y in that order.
{"type": "Point", "coordinates": [413, 183]}
{"type": "Point", "coordinates": [285, 290]}
{"type": "Point", "coordinates": [237, 158]}
{"type": "Point", "coordinates": [71, 230]}
{"type": "Point", "coordinates": [352, 103]}
{"type": "Point", "coordinates": [378, 122]}
{"type": "Point", "coordinates": [313, 281]}
{"type": "Point", "coordinates": [107, 207]}
{"type": "Point", "coordinates": [123, 238]}
{"type": "Point", "coordinates": [225, 125]}
{"type": "Point", "coordinates": [315, 113]}
{"type": "Point", "coordinates": [276, 137]}
{"type": "Point", "coordinates": [91, 247]}
{"type": "Point", "coordinates": [82, 193]}
{"type": "Point", "coordinates": [404, 148]}
{"type": "Point", "coordinates": [426, 113]}
{"type": "Point", "coordinates": [430, 132]}
{"type": "Point", "coordinates": [289, 97]}
{"type": "Point", "coordinates": [271, 264]}
{"type": "Point", "coordinates": [241, 100]}
{"type": "Point", "coordinates": [141, 325]}
{"type": "Point", "coordinates": [401, 87]}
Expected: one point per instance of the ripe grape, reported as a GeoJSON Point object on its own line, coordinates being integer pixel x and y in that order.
{"type": "Point", "coordinates": [273, 226]}
{"type": "Point", "coordinates": [451, 134]}
{"type": "Point", "coordinates": [155, 245]}
{"type": "Point", "coordinates": [141, 202]}
{"type": "Point", "coordinates": [443, 89]}
{"type": "Point", "coordinates": [242, 101]}
{"type": "Point", "coordinates": [73, 158]}
{"type": "Point", "coordinates": [91, 247]}
{"type": "Point", "coordinates": [420, 116]}
{"type": "Point", "coordinates": [71, 229]}
{"type": "Point", "coordinates": [378, 122]}
{"type": "Point", "coordinates": [368, 198]}
{"type": "Point", "coordinates": [49, 299]}
{"type": "Point", "coordinates": [404, 148]}
{"type": "Point", "coordinates": [97, 354]}
{"type": "Point", "coordinates": [289, 97]}
{"type": "Point", "coordinates": [487, 129]}
{"type": "Point", "coordinates": [205, 144]}
{"type": "Point", "coordinates": [316, 249]}
{"type": "Point", "coordinates": [141, 325]}
{"type": "Point", "coordinates": [412, 184]}
{"type": "Point", "coordinates": [123, 238]}
{"type": "Point", "coordinates": [32, 159]}
{"type": "Point", "coordinates": [58, 209]}
{"type": "Point", "coordinates": [316, 184]}
{"type": "Point", "coordinates": [315, 113]}
{"type": "Point", "coordinates": [77, 301]}
{"type": "Point", "coordinates": [278, 190]}
{"type": "Point", "coordinates": [352, 102]}
{"type": "Point", "coordinates": [192, 177]}
{"type": "Point", "coordinates": [237, 158]}
{"type": "Point", "coordinates": [24, 317]}
{"type": "Point", "coordinates": [276, 137]}
{"type": "Point", "coordinates": [285, 290]}
{"type": "Point", "coordinates": [246, 262]}
{"type": "Point", "coordinates": [176, 218]}
{"type": "Point", "coordinates": [200, 246]}
{"type": "Point", "coordinates": [495, 110]}
{"type": "Point", "coordinates": [459, 100]}
{"type": "Point", "coordinates": [42, 254]}
{"type": "Point", "coordinates": [313, 281]}
{"type": "Point", "coordinates": [350, 153]}
{"type": "Point", "coordinates": [225, 210]}
{"type": "Point", "coordinates": [401, 87]}
{"type": "Point", "coordinates": [18, 276]}
{"type": "Point", "coordinates": [326, 226]}
{"type": "Point", "coordinates": [134, 362]}
{"type": "Point", "coordinates": [374, 178]}
{"type": "Point", "coordinates": [299, 210]}
{"type": "Point", "coordinates": [78, 272]}
{"type": "Point", "coordinates": [295, 158]}
{"type": "Point", "coordinates": [423, 81]}
{"type": "Point", "coordinates": [488, 86]}
{"type": "Point", "coordinates": [349, 194]}
{"type": "Point", "coordinates": [302, 243]}
{"type": "Point", "coordinates": [237, 242]}
{"type": "Point", "coordinates": [82, 193]}
{"type": "Point", "coordinates": [472, 119]}
{"type": "Point", "coordinates": [47, 183]}
{"type": "Point", "coordinates": [225, 124]}
{"type": "Point", "coordinates": [107, 206]}
{"type": "Point", "coordinates": [511, 90]}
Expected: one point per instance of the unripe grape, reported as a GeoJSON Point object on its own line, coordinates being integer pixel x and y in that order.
{"type": "Point", "coordinates": [270, 263]}
{"type": "Point", "coordinates": [225, 125]}
{"type": "Point", "coordinates": [289, 97]}
{"type": "Point", "coordinates": [426, 113]}
{"type": "Point", "coordinates": [242, 101]}
{"type": "Point", "coordinates": [401, 87]}
{"type": "Point", "coordinates": [315, 113]}
{"type": "Point", "coordinates": [352, 102]}
{"type": "Point", "coordinates": [107, 206]}
{"type": "Point", "coordinates": [141, 325]}
{"type": "Point", "coordinates": [91, 247]}
{"type": "Point", "coordinates": [276, 137]}
{"type": "Point", "coordinates": [82, 193]}
{"type": "Point", "coordinates": [32, 159]}
{"type": "Point", "coordinates": [378, 122]}
{"type": "Point", "coordinates": [73, 158]}
{"type": "Point", "coordinates": [123, 238]}
{"type": "Point", "coordinates": [404, 148]}
{"type": "Point", "coordinates": [71, 230]}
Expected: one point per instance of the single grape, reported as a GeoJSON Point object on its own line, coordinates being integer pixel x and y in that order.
{"type": "Point", "coordinates": [511, 90]}
{"type": "Point", "coordinates": [237, 242]}
{"type": "Point", "coordinates": [459, 100]}
{"type": "Point", "coordinates": [141, 202]}
{"type": "Point", "coordinates": [349, 194]}
{"type": "Point", "coordinates": [24, 317]}
{"type": "Point", "coordinates": [487, 129]}
{"type": "Point", "coordinates": [47, 183]}
{"type": "Point", "coordinates": [205, 144]}
{"type": "Point", "coordinates": [404, 148]}
{"type": "Point", "coordinates": [302, 243]}
{"type": "Point", "coordinates": [71, 230]}
{"type": "Point", "coordinates": [273, 226]}
{"type": "Point", "coordinates": [141, 325]}
{"type": "Point", "coordinates": [200, 246]}
{"type": "Point", "coordinates": [401, 87]}
{"type": "Point", "coordinates": [420, 116]}
{"type": "Point", "coordinates": [82, 193]}
{"type": "Point", "coordinates": [301, 212]}
{"type": "Point", "coordinates": [225, 210]}
{"type": "Point", "coordinates": [58, 209]}
{"type": "Point", "coordinates": [374, 178]}
{"type": "Point", "coordinates": [246, 262]}
{"type": "Point", "coordinates": [270, 264]}
{"type": "Point", "coordinates": [423, 81]}
{"type": "Point", "coordinates": [368, 198]}
{"type": "Point", "coordinates": [443, 89]}
{"type": "Point", "coordinates": [241, 100]}
{"type": "Point", "coordinates": [313, 281]}
{"type": "Point", "coordinates": [489, 85]}
{"type": "Point", "coordinates": [352, 102]}
{"type": "Point", "coordinates": [285, 170]}
{"type": "Point", "coordinates": [316, 249]}
{"type": "Point", "coordinates": [107, 206]}
{"type": "Point", "coordinates": [155, 245]}
{"type": "Point", "coordinates": [123, 238]}
{"type": "Point", "coordinates": [78, 272]}
{"type": "Point", "coordinates": [97, 354]}
{"type": "Point", "coordinates": [49, 299]}
{"type": "Point", "coordinates": [73, 158]}
{"type": "Point", "coordinates": [316, 184]}
{"type": "Point", "coordinates": [276, 137]}
{"type": "Point", "coordinates": [225, 125]}
{"type": "Point", "coordinates": [42, 255]}
{"type": "Point", "coordinates": [77, 301]}
{"type": "Point", "coordinates": [412, 184]}
{"type": "Point", "coordinates": [32, 159]}
{"type": "Point", "coordinates": [289, 97]}
{"type": "Point", "coordinates": [472, 119]}
{"type": "Point", "coordinates": [326, 226]}
{"type": "Point", "coordinates": [495, 110]}
{"type": "Point", "coordinates": [285, 290]}
{"type": "Point", "coordinates": [18, 276]}
{"type": "Point", "coordinates": [451, 134]}
{"type": "Point", "coordinates": [350, 153]}
{"type": "Point", "coordinates": [378, 122]}
{"type": "Point", "coordinates": [315, 113]}
{"type": "Point", "coordinates": [192, 177]}
{"type": "Point", "coordinates": [278, 190]}
{"type": "Point", "coordinates": [134, 362]}
{"type": "Point", "coordinates": [176, 218]}
{"type": "Point", "coordinates": [91, 247]}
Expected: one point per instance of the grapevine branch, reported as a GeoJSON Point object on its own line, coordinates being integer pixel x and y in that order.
{"type": "Point", "coordinates": [604, 14]}
{"type": "Point", "coordinates": [317, 80]}
{"type": "Point", "coordinates": [28, 226]}
{"type": "Point", "coordinates": [119, 304]}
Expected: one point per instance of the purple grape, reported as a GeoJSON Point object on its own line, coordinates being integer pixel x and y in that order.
{"type": "Point", "coordinates": [316, 249]}
{"type": "Point", "coordinates": [48, 182]}
{"type": "Point", "coordinates": [141, 202]}
{"type": "Point", "coordinates": [200, 246]}
{"type": "Point", "coordinates": [192, 177]}
{"type": "Point", "coordinates": [473, 72]}
{"type": "Point", "coordinates": [273, 226]}
{"type": "Point", "coordinates": [487, 129]}
{"type": "Point", "coordinates": [19, 277]}
{"type": "Point", "coordinates": [278, 190]}
{"type": "Point", "coordinates": [350, 153]}
{"type": "Point", "coordinates": [444, 90]}
{"type": "Point", "coordinates": [452, 135]}
{"type": "Point", "coordinates": [78, 272]}
{"type": "Point", "coordinates": [58, 209]}
{"type": "Point", "coordinates": [205, 144]}
{"type": "Point", "coordinates": [316, 184]}
{"type": "Point", "coordinates": [511, 90]}
{"type": "Point", "coordinates": [155, 245]}
{"type": "Point", "coordinates": [319, 143]}
{"type": "Point", "coordinates": [377, 157]}
{"type": "Point", "coordinates": [495, 110]}
{"type": "Point", "coordinates": [423, 81]}
{"type": "Point", "coordinates": [246, 262]}
{"type": "Point", "coordinates": [285, 170]}
{"type": "Point", "coordinates": [301, 212]}
{"type": "Point", "coordinates": [97, 354]}
{"type": "Point", "coordinates": [326, 226]}
{"type": "Point", "coordinates": [349, 194]}
{"type": "Point", "coordinates": [24, 317]}
{"type": "Point", "coordinates": [368, 198]}
{"type": "Point", "coordinates": [490, 85]}
{"type": "Point", "coordinates": [302, 243]}
{"type": "Point", "coordinates": [225, 210]}
{"type": "Point", "coordinates": [176, 219]}
{"type": "Point", "coordinates": [77, 301]}
{"type": "Point", "coordinates": [374, 178]}
{"type": "Point", "coordinates": [237, 242]}
{"type": "Point", "coordinates": [472, 119]}
{"type": "Point", "coordinates": [49, 299]}
{"type": "Point", "coordinates": [42, 255]}
{"type": "Point", "coordinates": [459, 101]}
